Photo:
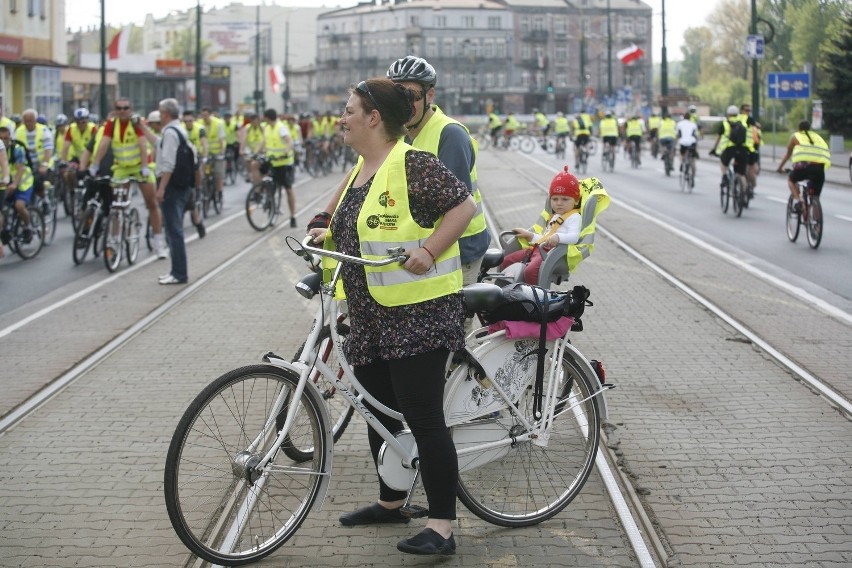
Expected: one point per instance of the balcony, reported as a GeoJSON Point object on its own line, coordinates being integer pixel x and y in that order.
{"type": "Point", "coordinates": [533, 63]}
{"type": "Point", "coordinates": [535, 36]}
{"type": "Point", "coordinates": [413, 32]}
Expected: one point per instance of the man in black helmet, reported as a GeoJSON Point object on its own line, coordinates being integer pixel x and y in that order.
{"type": "Point", "coordinates": [432, 131]}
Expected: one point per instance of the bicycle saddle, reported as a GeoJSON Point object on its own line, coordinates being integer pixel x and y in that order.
{"type": "Point", "coordinates": [493, 257]}
{"type": "Point", "coordinates": [481, 297]}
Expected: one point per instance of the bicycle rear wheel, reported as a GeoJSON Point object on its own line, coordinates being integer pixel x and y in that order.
{"type": "Point", "coordinates": [725, 196]}
{"type": "Point", "coordinates": [25, 247]}
{"type": "Point", "coordinates": [527, 144]}
{"type": "Point", "coordinates": [223, 509]}
{"type": "Point", "coordinates": [83, 236]}
{"type": "Point", "coordinates": [737, 196]}
{"type": "Point", "coordinates": [50, 211]}
{"type": "Point", "coordinates": [532, 482]}
{"type": "Point", "coordinates": [814, 225]}
{"type": "Point", "coordinates": [258, 206]}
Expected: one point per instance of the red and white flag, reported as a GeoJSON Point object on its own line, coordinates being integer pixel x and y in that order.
{"type": "Point", "coordinates": [276, 78]}
{"type": "Point", "coordinates": [118, 46]}
{"type": "Point", "coordinates": [629, 54]}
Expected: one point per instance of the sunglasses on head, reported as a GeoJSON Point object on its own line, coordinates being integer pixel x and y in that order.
{"type": "Point", "coordinates": [363, 88]}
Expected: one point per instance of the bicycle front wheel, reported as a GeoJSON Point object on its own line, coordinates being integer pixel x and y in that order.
{"type": "Point", "coordinates": [112, 241]}
{"type": "Point", "coordinates": [535, 480]}
{"type": "Point", "coordinates": [737, 196]}
{"type": "Point", "coordinates": [83, 236]}
{"type": "Point", "coordinates": [527, 144]}
{"type": "Point", "coordinates": [27, 240]}
{"type": "Point", "coordinates": [223, 508]}
{"type": "Point", "coordinates": [259, 207]}
{"type": "Point", "coordinates": [814, 226]}
{"type": "Point", "coordinates": [794, 220]}
{"type": "Point", "coordinates": [132, 235]}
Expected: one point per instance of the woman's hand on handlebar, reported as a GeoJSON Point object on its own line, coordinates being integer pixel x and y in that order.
{"type": "Point", "coordinates": [318, 235]}
{"type": "Point", "coordinates": [419, 261]}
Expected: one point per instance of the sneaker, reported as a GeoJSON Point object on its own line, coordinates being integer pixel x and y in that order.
{"type": "Point", "coordinates": [293, 222]}
{"type": "Point", "coordinates": [797, 207]}
{"type": "Point", "coordinates": [163, 252]}
{"type": "Point", "coordinates": [201, 230]}
{"type": "Point", "coordinates": [28, 236]}
{"type": "Point", "coordinates": [169, 279]}
{"type": "Point", "coordinates": [427, 542]}
{"type": "Point", "coordinates": [373, 514]}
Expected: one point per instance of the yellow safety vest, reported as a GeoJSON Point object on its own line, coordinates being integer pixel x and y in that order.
{"type": "Point", "coordinates": [194, 136]}
{"type": "Point", "coordinates": [654, 123]}
{"type": "Point", "coordinates": [385, 221]}
{"type": "Point", "coordinates": [587, 125]}
{"type": "Point", "coordinates": [541, 119]}
{"type": "Point", "coordinates": [725, 140]}
{"type": "Point", "coordinates": [512, 123]}
{"type": "Point", "coordinates": [749, 143]}
{"type": "Point", "coordinates": [668, 128]}
{"type": "Point", "coordinates": [316, 128]}
{"type": "Point", "coordinates": [37, 153]}
{"type": "Point", "coordinates": [494, 121]}
{"type": "Point", "coordinates": [561, 125]}
{"type": "Point", "coordinates": [609, 127]}
{"type": "Point", "coordinates": [79, 140]}
{"type": "Point", "coordinates": [214, 147]}
{"type": "Point", "coordinates": [126, 153]}
{"type": "Point", "coordinates": [231, 131]}
{"type": "Point", "coordinates": [429, 139]}
{"type": "Point", "coordinates": [276, 150]}
{"type": "Point", "coordinates": [634, 127]}
{"type": "Point", "coordinates": [814, 151]}
{"type": "Point", "coordinates": [8, 123]}
{"type": "Point", "coordinates": [254, 136]}
{"type": "Point", "coordinates": [295, 131]}
{"type": "Point", "coordinates": [27, 179]}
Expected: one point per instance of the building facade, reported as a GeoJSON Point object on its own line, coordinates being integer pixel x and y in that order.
{"type": "Point", "coordinates": [512, 55]}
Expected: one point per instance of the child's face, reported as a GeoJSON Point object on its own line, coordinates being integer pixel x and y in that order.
{"type": "Point", "coordinates": [562, 204]}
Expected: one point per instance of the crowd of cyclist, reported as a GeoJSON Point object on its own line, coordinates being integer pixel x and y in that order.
{"type": "Point", "coordinates": [37, 155]}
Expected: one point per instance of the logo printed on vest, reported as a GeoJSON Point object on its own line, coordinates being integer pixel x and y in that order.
{"type": "Point", "coordinates": [383, 222]}
{"type": "Point", "coordinates": [385, 200]}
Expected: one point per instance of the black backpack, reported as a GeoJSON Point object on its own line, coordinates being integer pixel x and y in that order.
{"type": "Point", "coordinates": [186, 163]}
{"type": "Point", "coordinates": [26, 150]}
{"type": "Point", "coordinates": [737, 134]}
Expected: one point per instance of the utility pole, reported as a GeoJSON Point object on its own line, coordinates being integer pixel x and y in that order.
{"type": "Point", "coordinates": [257, 61]}
{"type": "Point", "coordinates": [286, 93]}
{"type": "Point", "coordinates": [198, 58]}
{"type": "Point", "coordinates": [608, 50]}
{"type": "Point", "coordinates": [664, 66]}
{"type": "Point", "coordinates": [755, 79]}
{"type": "Point", "coordinates": [104, 111]}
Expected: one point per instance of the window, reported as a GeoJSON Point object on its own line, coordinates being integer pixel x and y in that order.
{"type": "Point", "coordinates": [560, 26]}
{"type": "Point", "coordinates": [13, 6]}
{"type": "Point", "coordinates": [561, 53]}
{"type": "Point", "coordinates": [440, 21]}
{"type": "Point", "coordinates": [641, 27]}
{"type": "Point", "coordinates": [414, 21]}
{"type": "Point", "coordinates": [626, 26]}
{"type": "Point", "coordinates": [488, 49]}
{"type": "Point", "coordinates": [538, 23]}
{"type": "Point", "coordinates": [467, 22]}
{"type": "Point", "coordinates": [46, 90]}
{"type": "Point", "coordinates": [525, 24]}
{"type": "Point", "coordinates": [494, 23]}
{"type": "Point", "coordinates": [431, 47]}
{"type": "Point", "coordinates": [447, 48]}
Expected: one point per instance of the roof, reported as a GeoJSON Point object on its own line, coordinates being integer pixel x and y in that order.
{"type": "Point", "coordinates": [367, 7]}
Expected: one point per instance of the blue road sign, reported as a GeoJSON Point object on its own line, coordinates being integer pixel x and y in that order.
{"type": "Point", "coordinates": [789, 85]}
{"type": "Point", "coordinates": [755, 47]}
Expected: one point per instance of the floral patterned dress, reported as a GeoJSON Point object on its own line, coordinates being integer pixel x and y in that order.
{"type": "Point", "coordinates": [385, 333]}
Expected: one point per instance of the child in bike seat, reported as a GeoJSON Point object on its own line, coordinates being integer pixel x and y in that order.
{"type": "Point", "coordinates": [561, 226]}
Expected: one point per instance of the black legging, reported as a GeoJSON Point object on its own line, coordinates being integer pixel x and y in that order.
{"type": "Point", "coordinates": [415, 386]}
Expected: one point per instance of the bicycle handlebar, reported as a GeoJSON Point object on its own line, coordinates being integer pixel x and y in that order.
{"type": "Point", "coordinates": [304, 249]}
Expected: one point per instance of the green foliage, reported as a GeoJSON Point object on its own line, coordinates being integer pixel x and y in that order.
{"type": "Point", "coordinates": [835, 83]}
{"type": "Point", "coordinates": [720, 93]}
{"type": "Point", "coordinates": [695, 57]}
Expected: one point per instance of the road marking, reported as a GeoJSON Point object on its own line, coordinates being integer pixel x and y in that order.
{"type": "Point", "coordinates": [844, 218]}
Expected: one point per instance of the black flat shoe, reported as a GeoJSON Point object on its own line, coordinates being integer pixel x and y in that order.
{"type": "Point", "coordinates": [372, 515]}
{"type": "Point", "coordinates": [427, 542]}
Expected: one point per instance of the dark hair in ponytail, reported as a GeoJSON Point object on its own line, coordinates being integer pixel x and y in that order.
{"type": "Point", "coordinates": [805, 127]}
{"type": "Point", "coordinates": [394, 102]}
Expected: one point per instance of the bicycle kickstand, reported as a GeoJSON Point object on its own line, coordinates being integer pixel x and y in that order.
{"type": "Point", "coordinates": [410, 511]}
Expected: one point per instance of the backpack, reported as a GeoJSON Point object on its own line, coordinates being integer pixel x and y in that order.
{"type": "Point", "coordinates": [186, 163]}
{"type": "Point", "coordinates": [581, 123]}
{"type": "Point", "coordinates": [26, 153]}
{"type": "Point", "coordinates": [737, 134]}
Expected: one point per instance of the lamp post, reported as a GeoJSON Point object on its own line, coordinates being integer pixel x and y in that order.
{"type": "Point", "coordinates": [198, 58]}
{"type": "Point", "coordinates": [755, 79]}
{"type": "Point", "coordinates": [608, 50]}
{"type": "Point", "coordinates": [103, 61]}
{"type": "Point", "coordinates": [664, 66]}
{"type": "Point", "coordinates": [257, 60]}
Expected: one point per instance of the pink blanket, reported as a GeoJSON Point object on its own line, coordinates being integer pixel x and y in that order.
{"type": "Point", "coordinates": [532, 330]}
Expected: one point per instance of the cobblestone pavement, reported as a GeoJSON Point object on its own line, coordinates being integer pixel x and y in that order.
{"type": "Point", "coordinates": [735, 462]}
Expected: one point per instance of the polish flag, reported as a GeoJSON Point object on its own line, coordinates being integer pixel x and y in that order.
{"type": "Point", "coordinates": [276, 77]}
{"type": "Point", "coordinates": [629, 54]}
{"type": "Point", "coordinates": [118, 46]}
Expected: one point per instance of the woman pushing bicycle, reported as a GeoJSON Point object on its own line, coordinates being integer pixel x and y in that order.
{"type": "Point", "coordinates": [810, 157]}
{"type": "Point", "coordinates": [405, 319]}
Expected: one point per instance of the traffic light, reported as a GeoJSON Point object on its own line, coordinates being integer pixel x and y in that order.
{"type": "Point", "coordinates": [550, 86]}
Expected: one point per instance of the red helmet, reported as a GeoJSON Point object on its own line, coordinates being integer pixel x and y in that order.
{"type": "Point", "coordinates": [565, 184]}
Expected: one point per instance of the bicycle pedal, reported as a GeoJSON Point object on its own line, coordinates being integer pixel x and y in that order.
{"type": "Point", "coordinates": [414, 511]}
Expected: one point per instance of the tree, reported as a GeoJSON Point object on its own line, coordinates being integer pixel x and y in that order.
{"type": "Point", "coordinates": [836, 65]}
{"type": "Point", "coordinates": [694, 42]}
{"type": "Point", "coordinates": [729, 24]}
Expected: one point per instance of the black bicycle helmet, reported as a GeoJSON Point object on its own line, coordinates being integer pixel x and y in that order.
{"type": "Point", "coordinates": [413, 68]}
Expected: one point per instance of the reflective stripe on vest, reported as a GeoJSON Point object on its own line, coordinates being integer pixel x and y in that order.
{"type": "Point", "coordinates": [634, 127]}
{"type": "Point", "coordinates": [561, 125]}
{"type": "Point", "coordinates": [126, 153]}
{"type": "Point", "coordinates": [668, 128]}
{"type": "Point", "coordinates": [254, 136]}
{"type": "Point", "coordinates": [594, 200]}
{"type": "Point", "coordinates": [805, 151]}
{"type": "Point", "coordinates": [609, 127]}
{"type": "Point", "coordinates": [231, 131]}
{"type": "Point", "coordinates": [79, 139]}
{"type": "Point", "coordinates": [429, 139]}
{"type": "Point", "coordinates": [276, 150]}
{"type": "Point", "coordinates": [37, 153]}
{"type": "Point", "coordinates": [384, 222]}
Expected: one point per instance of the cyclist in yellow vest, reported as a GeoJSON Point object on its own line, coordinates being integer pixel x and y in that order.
{"type": "Point", "coordinates": [197, 136]}
{"type": "Point", "coordinates": [667, 132]}
{"type": "Point", "coordinates": [809, 154]}
{"type": "Point", "coordinates": [19, 190]}
{"type": "Point", "coordinates": [634, 130]}
{"type": "Point", "coordinates": [232, 144]}
{"type": "Point", "coordinates": [541, 122]}
{"type": "Point", "coordinates": [60, 128]}
{"type": "Point", "coordinates": [77, 137]}
{"type": "Point", "coordinates": [130, 159]}
{"type": "Point", "coordinates": [753, 157]}
{"type": "Point", "coordinates": [278, 146]}
{"type": "Point", "coordinates": [495, 124]}
{"type": "Point", "coordinates": [405, 318]}
{"type": "Point", "coordinates": [729, 149]}
{"type": "Point", "coordinates": [561, 127]}
{"type": "Point", "coordinates": [215, 128]}
{"type": "Point", "coordinates": [39, 143]}
{"type": "Point", "coordinates": [252, 137]}
{"type": "Point", "coordinates": [582, 128]}
{"type": "Point", "coordinates": [609, 130]}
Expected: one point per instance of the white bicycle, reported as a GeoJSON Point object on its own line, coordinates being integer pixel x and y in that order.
{"type": "Point", "coordinates": [252, 454]}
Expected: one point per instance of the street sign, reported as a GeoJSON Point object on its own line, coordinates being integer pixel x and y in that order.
{"type": "Point", "coordinates": [789, 85]}
{"type": "Point", "coordinates": [755, 47]}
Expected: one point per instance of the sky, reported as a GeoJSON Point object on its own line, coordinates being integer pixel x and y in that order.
{"type": "Point", "coordinates": [680, 15]}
